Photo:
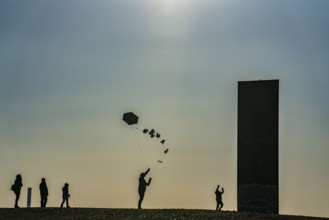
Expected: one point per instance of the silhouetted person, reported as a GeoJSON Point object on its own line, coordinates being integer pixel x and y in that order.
{"type": "Point", "coordinates": [142, 187]}
{"type": "Point", "coordinates": [219, 200]}
{"type": "Point", "coordinates": [66, 195]}
{"type": "Point", "coordinates": [43, 192]}
{"type": "Point", "coordinates": [16, 187]}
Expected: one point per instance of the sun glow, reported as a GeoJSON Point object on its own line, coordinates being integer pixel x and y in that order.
{"type": "Point", "coordinates": [171, 18]}
{"type": "Point", "coordinates": [171, 6]}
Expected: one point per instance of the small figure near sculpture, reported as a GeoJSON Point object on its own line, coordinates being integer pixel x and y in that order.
{"type": "Point", "coordinates": [219, 200]}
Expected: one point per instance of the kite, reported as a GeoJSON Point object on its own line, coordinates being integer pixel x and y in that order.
{"type": "Point", "coordinates": [132, 119]}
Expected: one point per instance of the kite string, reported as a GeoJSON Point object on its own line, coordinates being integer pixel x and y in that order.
{"type": "Point", "coordinates": [139, 146]}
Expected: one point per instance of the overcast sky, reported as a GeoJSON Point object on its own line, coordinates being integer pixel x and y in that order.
{"type": "Point", "coordinates": [70, 69]}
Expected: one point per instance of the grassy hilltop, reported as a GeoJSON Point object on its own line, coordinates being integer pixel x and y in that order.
{"type": "Point", "coordinates": [130, 214]}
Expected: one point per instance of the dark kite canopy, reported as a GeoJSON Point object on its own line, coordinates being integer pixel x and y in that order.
{"type": "Point", "coordinates": [130, 118]}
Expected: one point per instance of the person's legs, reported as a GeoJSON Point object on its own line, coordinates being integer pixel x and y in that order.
{"type": "Point", "coordinates": [17, 198]}
{"type": "Point", "coordinates": [141, 197]}
{"type": "Point", "coordinates": [45, 199]}
{"type": "Point", "coordinates": [63, 202]}
{"type": "Point", "coordinates": [67, 202]}
{"type": "Point", "coordinates": [221, 205]}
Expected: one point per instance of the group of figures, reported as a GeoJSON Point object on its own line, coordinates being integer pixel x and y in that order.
{"type": "Point", "coordinates": [16, 187]}
{"type": "Point", "coordinates": [143, 184]}
{"type": "Point", "coordinates": [132, 119]}
{"type": "Point", "coordinates": [18, 184]}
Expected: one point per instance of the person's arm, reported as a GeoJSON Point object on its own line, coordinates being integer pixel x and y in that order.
{"type": "Point", "coordinates": [147, 171]}
{"type": "Point", "coordinates": [217, 189]}
{"type": "Point", "coordinates": [149, 182]}
{"type": "Point", "coordinates": [222, 190]}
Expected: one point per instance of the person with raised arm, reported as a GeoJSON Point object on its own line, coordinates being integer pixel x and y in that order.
{"type": "Point", "coordinates": [219, 200]}
{"type": "Point", "coordinates": [142, 187]}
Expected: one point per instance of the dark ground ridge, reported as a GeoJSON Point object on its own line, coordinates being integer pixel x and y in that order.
{"type": "Point", "coordinates": [130, 214]}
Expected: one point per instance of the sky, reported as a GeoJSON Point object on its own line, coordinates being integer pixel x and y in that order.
{"type": "Point", "coordinates": [70, 69]}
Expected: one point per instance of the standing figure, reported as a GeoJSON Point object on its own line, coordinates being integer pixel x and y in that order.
{"type": "Point", "coordinates": [16, 187]}
{"type": "Point", "coordinates": [66, 195]}
{"type": "Point", "coordinates": [219, 198]}
{"type": "Point", "coordinates": [43, 192]}
{"type": "Point", "coordinates": [142, 187]}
